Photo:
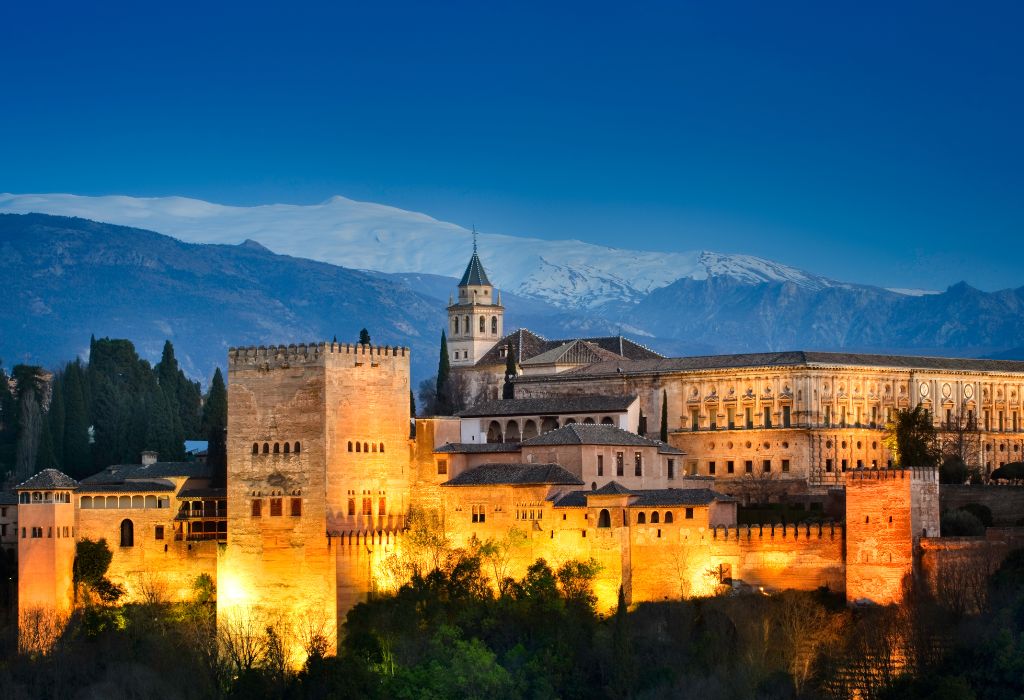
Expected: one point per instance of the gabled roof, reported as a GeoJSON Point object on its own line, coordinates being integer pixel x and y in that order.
{"type": "Point", "coordinates": [118, 473]}
{"type": "Point", "coordinates": [478, 447]}
{"type": "Point", "coordinates": [612, 488]}
{"type": "Point", "coordinates": [678, 497]}
{"type": "Point", "coordinates": [208, 492]}
{"type": "Point", "coordinates": [592, 434]}
{"type": "Point", "coordinates": [527, 345]}
{"type": "Point", "coordinates": [575, 352]}
{"type": "Point", "coordinates": [549, 406]}
{"type": "Point", "coordinates": [794, 358]}
{"type": "Point", "coordinates": [474, 274]}
{"type": "Point", "coordinates": [47, 479]}
{"type": "Point", "coordinates": [514, 474]}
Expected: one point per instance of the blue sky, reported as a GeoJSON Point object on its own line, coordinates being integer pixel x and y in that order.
{"type": "Point", "coordinates": [862, 141]}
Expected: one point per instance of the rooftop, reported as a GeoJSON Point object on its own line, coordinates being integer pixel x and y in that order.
{"type": "Point", "coordinates": [527, 345]}
{"type": "Point", "coordinates": [8, 498]}
{"type": "Point", "coordinates": [793, 358]}
{"type": "Point", "coordinates": [592, 434]}
{"type": "Point", "coordinates": [478, 447]}
{"type": "Point", "coordinates": [118, 473]}
{"type": "Point", "coordinates": [474, 274]}
{"type": "Point", "coordinates": [549, 406]}
{"type": "Point", "coordinates": [47, 479]}
{"type": "Point", "coordinates": [127, 487]}
{"type": "Point", "coordinates": [649, 498]}
{"type": "Point", "coordinates": [514, 474]}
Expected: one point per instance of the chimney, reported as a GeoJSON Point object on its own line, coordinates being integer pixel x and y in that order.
{"type": "Point", "coordinates": [148, 457]}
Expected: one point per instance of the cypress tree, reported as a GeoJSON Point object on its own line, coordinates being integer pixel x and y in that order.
{"type": "Point", "coordinates": [641, 428]}
{"type": "Point", "coordinates": [173, 385]}
{"type": "Point", "coordinates": [508, 390]}
{"type": "Point", "coordinates": [364, 337]}
{"type": "Point", "coordinates": [215, 423]}
{"type": "Point", "coordinates": [55, 419]}
{"type": "Point", "coordinates": [664, 416]}
{"type": "Point", "coordinates": [77, 457]}
{"type": "Point", "coordinates": [46, 457]}
{"type": "Point", "coordinates": [443, 407]}
{"type": "Point", "coordinates": [412, 404]}
{"type": "Point", "coordinates": [8, 424]}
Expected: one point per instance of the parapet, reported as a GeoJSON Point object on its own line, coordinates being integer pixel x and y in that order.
{"type": "Point", "coordinates": [915, 474]}
{"type": "Point", "coordinates": [772, 531]}
{"type": "Point", "coordinates": [284, 356]}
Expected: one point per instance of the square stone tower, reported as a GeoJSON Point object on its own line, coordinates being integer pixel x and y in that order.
{"type": "Point", "coordinates": [317, 446]}
{"type": "Point", "coordinates": [888, 511]}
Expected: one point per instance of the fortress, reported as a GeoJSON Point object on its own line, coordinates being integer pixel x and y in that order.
{"type": "Point", "coordinates": [323, 474]}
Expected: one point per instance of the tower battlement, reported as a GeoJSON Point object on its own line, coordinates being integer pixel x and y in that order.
{"type": "Point", "coordinates": [306, 353]}
{"type": "Point", "coordinates": [914, 474]}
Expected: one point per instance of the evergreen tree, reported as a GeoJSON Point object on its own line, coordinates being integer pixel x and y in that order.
{"type": "Point", "coordinates": [508, 390]}
{"type": "Point", "coordinates": [30, 388]}
{"type": "Point", "coordinates": [174, 385]}
{"type": "Point", "coordinates": [77, 450]}
{"type": "Point", "coordinates": [664, 416]}
{"type": "Point", "coordinates": [55, 419]}
{"type": "Point", "coordinates": [641, 428]}
{"type": "Point", "coordinates": [412, 404]}
{"type": "Point", "coordinates": [215, 424]}
{"type": "Point", "coordinates": [8, 424]}
{"type": "Point", "coordinates": [364, 337]}
{"type": "Point", "coordinates": [442, 401]}
{"type": "Point", "coordinates": [46, 457]}
{"type": "Point", "coordinates": [624, 671]}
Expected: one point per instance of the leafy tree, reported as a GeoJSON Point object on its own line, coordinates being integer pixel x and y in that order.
{"type": "Point", "coordinates": [953, 471]}
{"type": "Point", "coordinates": [364, 337]}
{"type": "Point", "coordinates": [663, 435]}
{"type": "Point", "coordinates": [961, 523]}
{"type": "Point", "coordinates": [910, 437]}
{"type": "Point", "coordinates": [89, 571]}
{"type": "Point", "coordinates": [508, 390]}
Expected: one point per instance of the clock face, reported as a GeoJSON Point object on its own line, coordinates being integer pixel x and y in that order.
{"type": "Point", "coordinates": [969, 391]}
{"type": "Point", "coordinates": [924, 390]}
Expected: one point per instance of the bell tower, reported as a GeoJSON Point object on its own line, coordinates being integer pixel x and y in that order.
{"type": "Point", "coordinates": [476, 318]}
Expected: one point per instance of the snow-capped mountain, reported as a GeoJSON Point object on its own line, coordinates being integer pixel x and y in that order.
{"type": "Point", "coordinates": [565, 273]}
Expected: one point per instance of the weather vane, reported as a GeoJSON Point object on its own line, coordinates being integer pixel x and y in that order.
{"type": "Point", "coordinates": [474, 239]}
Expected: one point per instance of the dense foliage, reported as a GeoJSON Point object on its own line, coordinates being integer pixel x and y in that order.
{"type": "Point", "coordinates": [86, 416]}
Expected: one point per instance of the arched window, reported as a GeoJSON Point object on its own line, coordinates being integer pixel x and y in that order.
{"type": "Point", "coordinates": [483, 324]}
{"type": "Point", "coordinates": [604, 519]}
{"type": "Point", "coordinates": [641, 519]}
{"type": "Point", "coordinates": [529, 429]}
{"type": "Point", "coordinates": [455, 326]}
{"type": "Point", "coordinates": [494, 325]}
{"type": "Point", "coordinates": [588, 421]}
{"type": "Point", "coordinates": [351, 506]}
{"type": "Point", "coordinates": [277, 448]}
{"type": "Point", "coordinates": [570, 421]}
{"type": "Point", "coordinates": [127, 533]}
{"type": "Point", "coordinates": [512, 431]}
{"type": "Point", "coordinates": [382, 447]}
{"type": "Point", "coordinates": [287, 448]}
{"type": "Point", "coordinates": [86, 502]}
{"type": "Point", "coordinates": [465, 324]}
{"type": "Point", "coordinates": [607, 420]}
{"type": "Point", "coordinates": [494, 432]}
{"type": "Point", "coordinates": [366, 447]}
{"type": "Point", "coordinates": [255, 448]}
{"type": "Point", "coordinates": [668, 517]}
{"type": "Point", "coordinates": [349, 445]}
{"type": "Point", "coordinates": [374, 447]}
{"type": "Point", "coordinates": [298, 447]}
{"type": "Point", "coordinates": [266, 448]}
{"type": "Point", "coordinates": [654, 518]}
{"type": "Point", "coordinates": [359, 447]}
{"type": "Point", "coordinates": [549, 424]}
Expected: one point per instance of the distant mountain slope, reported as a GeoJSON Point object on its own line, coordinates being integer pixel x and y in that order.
{"type": "Point", "coordinates": [65, 279]}
{"type": "Point", "coordinates": [565, 273]}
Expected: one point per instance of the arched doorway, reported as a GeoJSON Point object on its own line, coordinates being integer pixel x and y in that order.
{"type": "Point", "coordinates": [548, 424]}
{"type": "Point", "coordinates": [494, 432]}
{"type": "Point", "coordinates": [604, 519]}
{"type": "Point", "coordinates": [512, 432]}
{"type": "Point", "coordinates": [529, 429]}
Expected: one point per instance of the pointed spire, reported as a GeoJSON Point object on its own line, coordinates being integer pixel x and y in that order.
{"type": "Point", "coordinates": [474, 274]}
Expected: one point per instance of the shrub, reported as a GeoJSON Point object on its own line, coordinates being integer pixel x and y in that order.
{"type": "Point", "coordinates": [953, 471]}
{"type": "Point", "coordinates": [961, 523]}
{"type": "Point", "coordinates": [979, 511]}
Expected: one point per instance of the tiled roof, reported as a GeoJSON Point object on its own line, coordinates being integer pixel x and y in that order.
{"type": "Point", "coordinates": [128, 487]}
{"type": "Point", "coordinates": [516, 474]}
{"type": "Point", "coordinates": [575, 352]}
{"type": "Point", "coordinates": [795, 358]}
{"type": "Point", "coordinates": [203, 493]}
{"type": "Point", "coordinates": [117, 473]}
{"type": "Point", "coordinates": [592, 434]}
{"type": "Point", "coordinates": [474, 274]}
{"type": "Point", "coordinates": [47, 479]}
{"type": "Point", "coordinates": [678, 497]}
{"type": "Point", "coordinates": [549, 406]}
{"type": "Point", "coordinates": [612, 488]}
{"type": "Point", "coordinates": [478, 447]}
{"type": "Point", "coordinates": [572, 499]}
{"type": "Point", "coordinates": [528, 345]}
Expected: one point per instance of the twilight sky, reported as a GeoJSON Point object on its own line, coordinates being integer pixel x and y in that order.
{"type": "Point", "coordinates": [857, 140]}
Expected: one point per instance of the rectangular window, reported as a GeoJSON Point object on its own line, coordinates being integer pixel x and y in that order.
{"type": "Point", "coordinates": [844, 465]}
{"type": "Point", "coordinates": [767, 417]}
{"type": "Point", "coordinates": [3, 530]}
{"type": "Point", "coordinates": [860, 464]}
{"type": "Point", "coordinates": [828, 465]}
{"type": "Point", "coordinates": [713, 419]}
{"type": "Point", "coordinates": [382, 506]}
{"type": "Point", "coordinates": [766, 466]}
{"type": "Point", "coordinates": [671, 469]}
{"type": "Point", "coordinates": [442, 466]}
{"type": "Point", "coordinates": [600, 465]}
{"type": "Point", "coordinates": [689, 514]}
{"type": "Point", "coordinates": [351, 506]}
{"type": "Point", "coordinates": [296, 507]}
{"type": "Point", "coordinates": [748, 417]}
{"type": "Point", "coordinates": [730, 414]}
{"type": "Point", "coordinates": [842, 416]}
{"type": "Point", "coordinates": [748, 466]}
{"type": "Point", "coordinates": [874, 416]}
{"type": "Point", "coordinates": [367, 506]}
{"type": "Point", "coordinates": [479, 514]}
{"type": "Point", "coordinates": [638, 464]}
{"type": "Point", "coordinates": [856, 418]}
{"type": "Point", "coordinates": [257, 508]}
{"type": "Point", "coordinates": [828, 416]}
{"type": "Point", "coordinates": [620, 464]}
{"type": "Point", "coordinates": [158, 532]}
{"type": "Point", "coordinates": [275, 507]}
{"type": "Point", "coordinates": [785, 465]}
{"type": "Point", "coordinates": [711, 468]}
{"type": "Point", "coordinates": [22, 533]}
{"type": "Point", "coordinates": [1000, 421]}
{"type": "Point", "coordinates": [694, 419]}
{"type": "Point", "coordinates": [786, 416]}
{"type": "Point", "coordinates": [730, 467]}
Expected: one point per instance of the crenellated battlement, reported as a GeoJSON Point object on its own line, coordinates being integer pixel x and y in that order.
{"type": "Point", "coordinates": [771, 531]}
{"type": "Point", "coordinates": [915, 474]}
{"type": "Point", "coordinates": [366, 538]}
{"type": "Point", "coordinates": [307, 353]}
